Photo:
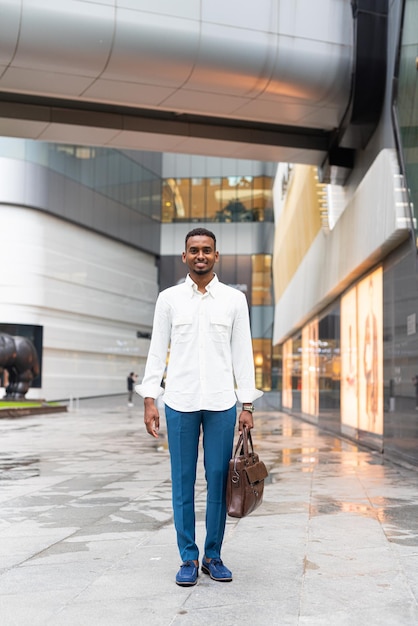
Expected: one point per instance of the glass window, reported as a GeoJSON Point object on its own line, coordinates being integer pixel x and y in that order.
{"type": "Point", "coordinates": [262, 363]}
{"type": "Point", "coordinates": [287, 359]}
{"type": "Point", "coordinates": [292, 373]}
{"type": "Point", "coordinates": [175, 200]}
{"type": "Point", "coordinates": [168, 208]}
{"type": "Point", "coordinates": [329, 360]}
{"type": "Point", "coordinates": [263, 199]}
{"type": "Point", "coordinates": [236, 199]}
{"type": "Point", "coordinates": [262, 280]}
{"type": "Point", "coordinates": [182, 199]}
{"type": "Point", "coordinates": [228, 199]}
{"type": "Point", "coordinates": [310, 369]}
{"type": "Point", "coordinates": [198, 199]}
{"type": "Point", "coordinates": [297, 372]}
{"type": "Point", "coordinates": [276, 368]}
{"type": "Point", "coordinates": [213, 200]}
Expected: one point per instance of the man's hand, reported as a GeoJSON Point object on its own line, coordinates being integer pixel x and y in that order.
{"type": "Point", "coordinates": [151, 417]}
{"type": "Point", "coordinates": [245, 419]}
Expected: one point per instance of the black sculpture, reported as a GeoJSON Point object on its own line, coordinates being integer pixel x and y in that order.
{"type": "Point", "coordinates": [18, 356]}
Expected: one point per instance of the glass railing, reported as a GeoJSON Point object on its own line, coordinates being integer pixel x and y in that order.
{"type": "Point", "coordinates": [106, 171]}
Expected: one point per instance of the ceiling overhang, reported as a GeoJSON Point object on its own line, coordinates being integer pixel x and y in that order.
{"type": "Point", "coordinates": [58, 120]}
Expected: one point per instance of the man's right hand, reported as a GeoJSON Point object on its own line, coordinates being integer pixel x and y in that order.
{"type": "Point", "coordinates": [151, 417]}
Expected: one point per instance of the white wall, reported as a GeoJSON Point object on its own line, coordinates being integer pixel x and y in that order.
{"type": "Point", "coordinates": [90, 293]}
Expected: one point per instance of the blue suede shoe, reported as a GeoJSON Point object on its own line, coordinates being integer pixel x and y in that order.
{"type": "Point", "coordinates": [187, 574]}
{"type": "Point", "coordinates": [216, 570]}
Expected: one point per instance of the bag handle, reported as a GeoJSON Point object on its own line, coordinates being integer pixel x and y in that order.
{"type": "Point", "coordinates": [244, 438]}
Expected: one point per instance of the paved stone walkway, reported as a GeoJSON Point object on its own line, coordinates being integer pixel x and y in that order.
{"type": "Point", "coordinates": [87, 539]}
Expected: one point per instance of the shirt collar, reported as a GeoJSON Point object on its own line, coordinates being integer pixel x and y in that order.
{"type": "Point", "coordinates": [211, 288]}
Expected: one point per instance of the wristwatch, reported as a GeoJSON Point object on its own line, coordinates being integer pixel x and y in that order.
{"type": "Point", "coordinates": [248, 407]}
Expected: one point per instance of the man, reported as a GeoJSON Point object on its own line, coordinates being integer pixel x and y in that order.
{"type": "Point", "coordinates": [206, 324]}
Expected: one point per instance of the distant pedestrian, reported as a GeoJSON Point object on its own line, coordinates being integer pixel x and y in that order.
{"type": "Point", "coordinates": [131, 380]}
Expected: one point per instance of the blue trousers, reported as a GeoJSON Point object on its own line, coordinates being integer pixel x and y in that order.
{"type": "Point", "coordinates": [183, 430]}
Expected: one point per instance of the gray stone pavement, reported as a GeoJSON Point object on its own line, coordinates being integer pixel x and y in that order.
{"type": "Point", "coordinates": [87, 538]}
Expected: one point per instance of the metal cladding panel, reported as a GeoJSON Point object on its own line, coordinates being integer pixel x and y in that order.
{"type": "Point", "coordinates": [152, 49]}
{"type": "Point", "coordinates": [65, 37]}
{"type": "Point", "coordinates": [215, 58]}
{"type": "Point", "coordinates": [9, 31]}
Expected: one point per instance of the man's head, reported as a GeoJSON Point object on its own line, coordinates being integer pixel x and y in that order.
{"type": "Point", "coordinates": [200, 254]}
{"type": "Point", "coordinates": [200, 232]}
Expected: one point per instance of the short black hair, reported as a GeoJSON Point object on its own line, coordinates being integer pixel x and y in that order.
{"type": "Point", "coordinates": [200, 232]}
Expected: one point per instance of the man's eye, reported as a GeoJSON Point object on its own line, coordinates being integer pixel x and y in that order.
{"type": "Point", "coordinates": [196, 251]}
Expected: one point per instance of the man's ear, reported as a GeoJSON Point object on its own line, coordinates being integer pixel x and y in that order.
{"type": "Point", "coordinates": [183, 257]}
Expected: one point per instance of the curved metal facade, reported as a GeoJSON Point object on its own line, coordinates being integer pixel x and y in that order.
{"type": "Point", "coordinates": [278, 62]}
{"type": "Point", "coordinates": [259, 81]}
{"type": "Point", "coordinates": [298, 82]}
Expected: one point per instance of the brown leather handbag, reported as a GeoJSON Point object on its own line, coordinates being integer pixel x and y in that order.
{"type": "Point", "coordinates": [246, 474]}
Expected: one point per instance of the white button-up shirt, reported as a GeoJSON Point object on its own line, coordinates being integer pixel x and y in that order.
{"type": "Point", "coordinates": [210, 362]}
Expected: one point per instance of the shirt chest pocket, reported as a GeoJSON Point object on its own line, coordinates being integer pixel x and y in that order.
{"type": "Point", "coordinates": [181, 330]}
{"type": "Point", "coordinates": [220, 329]}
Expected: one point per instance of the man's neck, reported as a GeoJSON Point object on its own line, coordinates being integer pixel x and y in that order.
{"type": "Point", "coordinates": [202, 281]}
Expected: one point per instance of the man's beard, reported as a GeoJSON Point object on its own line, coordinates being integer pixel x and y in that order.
{"type": "Point", "coordinates": [202, 270]}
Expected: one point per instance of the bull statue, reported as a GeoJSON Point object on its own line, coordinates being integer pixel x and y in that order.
{"type": "Point", "coordinates": [18, 356]}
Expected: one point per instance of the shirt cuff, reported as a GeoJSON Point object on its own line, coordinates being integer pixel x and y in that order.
{"type": "Point", "coordinates": [248, 395]}
{"type": "Point", "coordinates": [148, 391]}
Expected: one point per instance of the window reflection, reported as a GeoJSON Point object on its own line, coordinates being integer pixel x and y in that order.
{"type": "Point", "coordinates": [262, 280]}
{"type": "Point", "coordinates": [311, 369]}
{"type": "Point", "coordinates": [262, 363]}
{"type": "Point", "coordinates": [228, 199]}
{"type": "Point", "coordinates": [198, 198]}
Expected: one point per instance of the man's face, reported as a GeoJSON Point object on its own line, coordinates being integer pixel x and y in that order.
{"type": "Point", "coordinates": [200, 255]}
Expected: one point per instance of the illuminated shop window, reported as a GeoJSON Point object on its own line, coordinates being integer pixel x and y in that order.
{"type": "Point", "coordinates": [362, 355]}
{"type": "Point", "coordinates": [287, 364]}
{"type": "Point", "coordinates": [262, 362]}
{"type": "Point", "coordinates": [310, 369]}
